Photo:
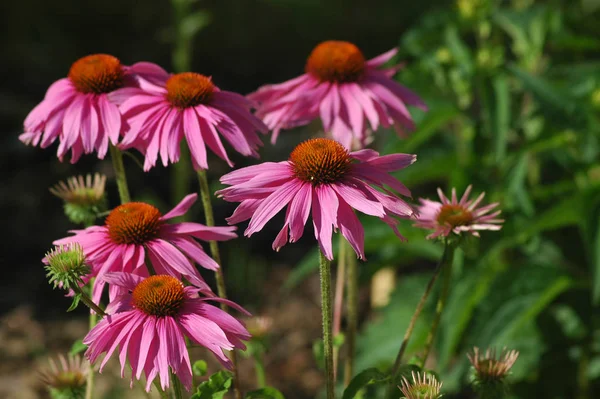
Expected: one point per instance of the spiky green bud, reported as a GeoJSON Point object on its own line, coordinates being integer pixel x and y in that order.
{"type": "Point", "coordinates": [66, 266]}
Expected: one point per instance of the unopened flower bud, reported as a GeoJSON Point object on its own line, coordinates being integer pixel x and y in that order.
{"type": "Point", "coordinates": [66, 266]}
{"type": "Point", "coordinates": [83, 198]}
{"type": "Point", "coordinates": [488, 374]}
{"type": "Point", "coordinates": [423, 386]}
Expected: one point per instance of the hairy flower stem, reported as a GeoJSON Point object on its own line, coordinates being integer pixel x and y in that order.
{"type": "Point", "coordinates": [446, 270]}
{"type": "Point", "coordinates": [87, 301]}
{"type": "Point", "coordinates": [214, 249]}
{"type": "Point", "coordinates": [325, 273]}
{"type": "Point", "coordinates": [415, 317]}
{"type": "Point", "coordinates": [338, 301]}
{"type": "Point", "coordinates": [117, 161]}
{"type": "Point", "coordinates": [89, 386]}
{"type": "Point", "coordinates": [352, 308]}
{"type": "Point", "coordinates": [177, 392]}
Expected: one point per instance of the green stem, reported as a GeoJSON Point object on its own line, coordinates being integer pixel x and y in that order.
{"type": "Point", "coordinates": [352, 309]}
{"type": "Point", "coordinates": [214, 249]}
{"type": "Point", "coordinates": [259, 367]}
{"type": "Point", "coordinates": [162, 393]}
{"type": "Point", "coordinates": [88, 301]}
{"type": "Point", "coordinates": [446, 270]}
{"type": "Point", "coordinates": [325, 273]}
{"type": "Point", "coordinates": [89, 387]}
{"type": "Point", "coordinates": [177, 391]}
{"type": "Point", "coordinates": [117, 161]}
{"type": "Point", "coordinates": [181, 174]}
{"type": "Point", "coordinates": [414, 318]}
{"type": "Point", "coordinates": [338, 301]}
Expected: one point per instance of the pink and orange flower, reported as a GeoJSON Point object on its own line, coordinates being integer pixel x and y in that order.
{"type": "Point", "coordinates": [351, 95]}
{"type": "Point", "coordinates": [454, 216]}
{"type": "Point", "coordinates": [188, 106]}
{"type": "Point", "coordinates": [149, 322]}
{"type": "Point", "coordinates": [136, 230]}
{"type": "Point", "coordinates": [323, 177]}
{"type": "Point", "coordinates": [81, 109]}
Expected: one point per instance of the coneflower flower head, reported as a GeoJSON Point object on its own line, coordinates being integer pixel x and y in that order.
{"type": "Point", "coordinates": [188, 106]}
{"type": "Point", "coordinates": [84, 198]}
{"type": "Point", "coordinates": [458, 217]}
{"type": "Point", "coordinates": [136, 231]}
{"type": "Point", "coordinates": [149, 322]}
{"type": "Point", "coordinates": [423, 386]}
{"type": "Point", "coordinates": [65, 378]}
{"type": "Point", "coordinates": [321, 176]}
{"type": "Point", "coordinates": [80, 111]}
{"type": "Point", "coordinates": [66, 266]}
{"type": "Point", "coordinates": [351, 95]}
{"type": "Point", "coordinates": [489, 371]}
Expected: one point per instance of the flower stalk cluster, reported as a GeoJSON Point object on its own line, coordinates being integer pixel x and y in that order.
{"type": "Point", "coordinates": [158, 299]}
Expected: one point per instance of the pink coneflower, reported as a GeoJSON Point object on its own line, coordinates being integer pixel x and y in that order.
{"type": "Point", "coordinates": [342, 88]}
{"type": "Point", "coordinates": [453, 216]}
{"type": "Point", "coordinates": [320, 174]}
{"type": "Point", "coordinates": [80, 110]}
{"type": "Point", "coordinates": [135, 230]}
{"type": "Point", "coordinates": [188, 105]}
{"type": "Point", "coordinates": [150, 321]}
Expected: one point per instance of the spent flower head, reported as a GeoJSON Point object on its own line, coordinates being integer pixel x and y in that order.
{"type": "Point", "coordinates": [84, 198]}
{"type": "Point", "coordinates": [489, 371]}
{"type": "Point", "coordinates": [65, 377]}
{"type": "Point", "coordinates": [423, 386]}
{"type": "Point", "coordinates": [66, 265]}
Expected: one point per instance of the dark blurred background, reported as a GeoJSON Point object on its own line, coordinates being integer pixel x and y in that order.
{"type": "Point", "coordinates": [514, 95]}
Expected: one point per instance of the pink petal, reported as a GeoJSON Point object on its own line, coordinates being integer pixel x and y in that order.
{"type": "Point", "coordinates": [181, 208]}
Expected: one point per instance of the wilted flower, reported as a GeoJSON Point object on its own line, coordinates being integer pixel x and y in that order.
{"type": "Point", "coordinates": [453, 216]}
{"type": "Point", "coordinates": [84, 197]}
{"type": "Point", "coordinates": [66, 265]}
{"type": "Point", "coordinates": [150, 321]}
{"type": "Point", "coordinates": [135, 230]}
{"type": "Point", "coordinates": [188, 105]}
{"type": "Point", "coordinates": [322, 176]}
{"type": "Point", "coordinates": [423, 386]}
{"type": "Point", "coordinates": [65, 378]}
{"type": "Point", "coordinates": [80, 110]}
{"type": "Point", "coordinates": [346, 91]}
{"type": "Point", "coordinates": [489, 371]}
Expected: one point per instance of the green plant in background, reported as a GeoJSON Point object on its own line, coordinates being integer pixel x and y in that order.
{"type": "Point", "coordinates": [513, 95]}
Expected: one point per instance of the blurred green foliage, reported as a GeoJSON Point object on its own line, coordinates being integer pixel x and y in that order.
{"type": "Point", "coordinates": [514, 96]}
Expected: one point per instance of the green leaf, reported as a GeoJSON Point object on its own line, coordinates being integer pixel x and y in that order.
{"type": "Point", "coordinates": [565, 213]}
{"type": "Point", "coordinates": [194, 23]}
{"type": "Point", "coordinates": [77, 347]}
{"type": "Point", "coordinates": [501, 121]}
{"type": "Point", "coordinates": [265, 393]}
{"type": "Point", "coordinates": [365, 377]}
{"type": "Point", "coordinates": [544, 91]}
{"type": "Point", "coordinates": [519, 310]}
{"type": "Point", "coordinates": [596, 260]}
{"type": "Point", "coordinates": [380, 341]}
{"type": "Point", "coordinates": [216, 387]}
{"type": "Point", "coordinates": [75, 303]}
{"type": "Point", "coordinates": [432, 124]}
{"type": "Point", "coordinates": [199, 368]}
